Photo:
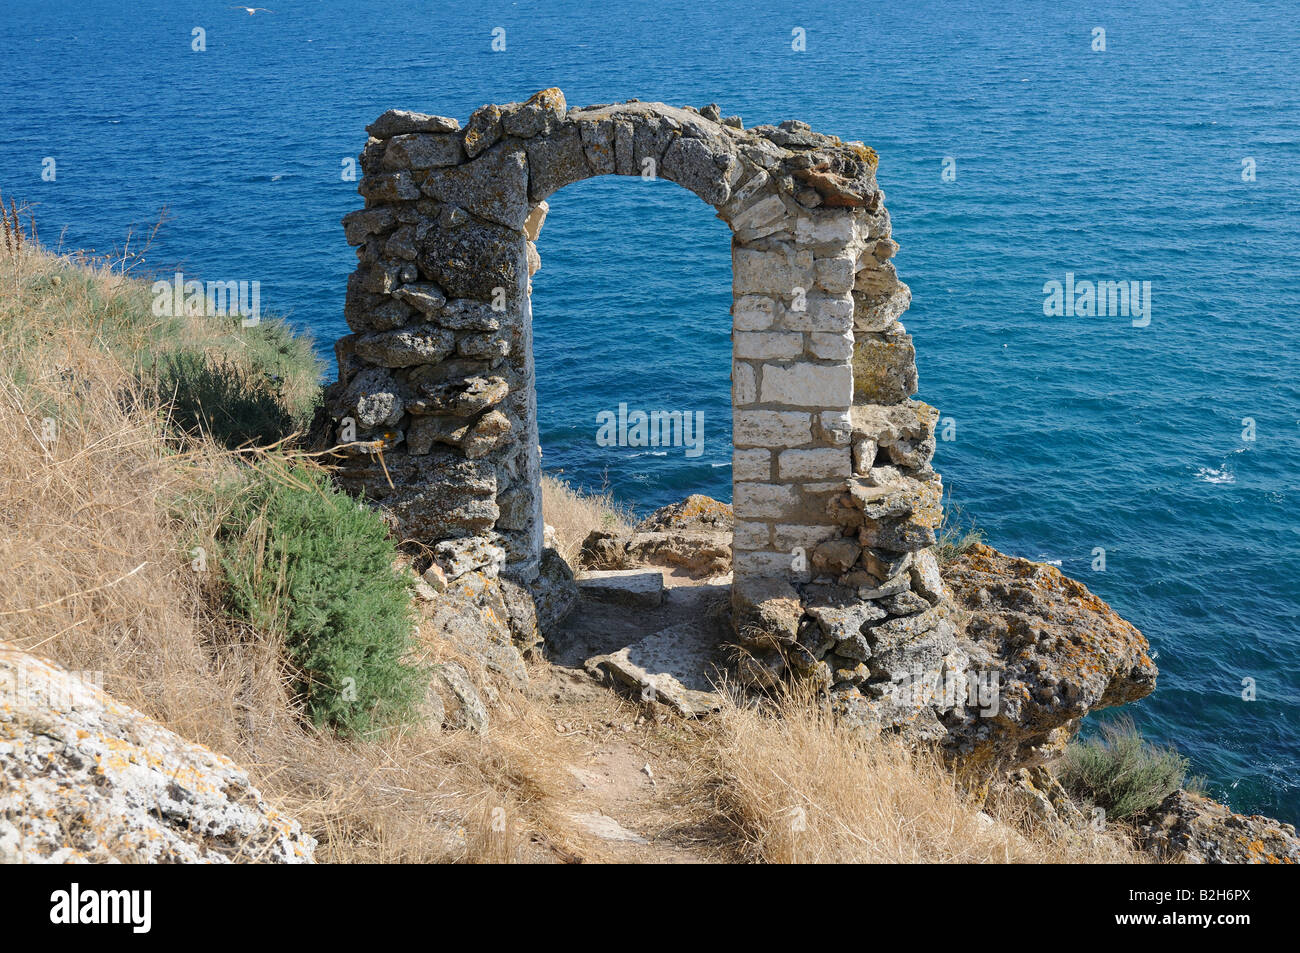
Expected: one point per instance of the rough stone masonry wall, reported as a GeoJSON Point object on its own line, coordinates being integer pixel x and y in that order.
{"type": "Point", "coordinates": [436, 403]}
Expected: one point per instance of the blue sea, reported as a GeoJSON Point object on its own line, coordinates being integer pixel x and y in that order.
{"type": "Point", "coordinates": [1070, 434]}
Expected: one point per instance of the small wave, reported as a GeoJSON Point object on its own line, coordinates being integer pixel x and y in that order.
{"type": "Point", "coordinates": [716, 465]}
{"type": "Point", "coordinates": [1212, 475]}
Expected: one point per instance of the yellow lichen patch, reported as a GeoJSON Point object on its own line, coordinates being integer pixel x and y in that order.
{"type": "Point", "coordinates": [102, 782]}
{"type": "Point", "coordinates": [695, 512]}
{"type": "Point", "coordinates": [699, 505]}
{"type": "Point", "coordinates": [865, 153]}
{"type": "Point", "coordinates": [551, 99]}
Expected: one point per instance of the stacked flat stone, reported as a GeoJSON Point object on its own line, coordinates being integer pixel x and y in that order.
{"type": "Point", "coordinates": [832, 494]}
{"type": "Point", "coordinates": [878, 629]}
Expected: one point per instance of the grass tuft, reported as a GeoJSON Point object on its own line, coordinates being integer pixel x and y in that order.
{"type": "Point", "coordinates": [956, 535]}
{"type": "Point", "coordinates": [1120, 772]}
{"type": "Point", "coordinates": [797, 786]}
{"type": "Point", "coordinates": [573, 514]}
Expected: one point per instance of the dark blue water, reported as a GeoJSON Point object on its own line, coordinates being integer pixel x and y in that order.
{"type": "Point", "coordinates": [1071, 433]}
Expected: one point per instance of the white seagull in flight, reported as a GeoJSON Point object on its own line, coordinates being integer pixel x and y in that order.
{"type": "Point", "coordinates": [251, 10]}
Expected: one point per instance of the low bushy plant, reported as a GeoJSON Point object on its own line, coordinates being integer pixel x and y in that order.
{"type": "Point", "coordinates": [303, 560]}
{"type": "Point", "coordinates": [1120, 772]}
{"type": "Point", "coordinates": [256, 386]}
{"type": "Point", "coordinates": [208, 394]}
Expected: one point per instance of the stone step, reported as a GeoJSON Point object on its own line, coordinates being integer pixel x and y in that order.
{"type": "Point", "coordinates": [641, 588]}
{"type": "Point", "coordinates": [674, 666]}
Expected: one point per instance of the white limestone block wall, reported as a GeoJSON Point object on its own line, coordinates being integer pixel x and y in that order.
{"type": "Point", "coordinates": [792, 382]}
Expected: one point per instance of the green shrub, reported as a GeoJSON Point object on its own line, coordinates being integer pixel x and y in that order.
{"type": "Point", "coordinates": [1120, 772]}
{"type": "Point", "coordinates": [216, 396]}
{"type": "Point", "coordinates": [257, 385]}
{"type": "Point", "coordinates": [301, 559]}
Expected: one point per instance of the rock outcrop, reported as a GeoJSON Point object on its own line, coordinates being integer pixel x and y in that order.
{"type": "Point", "coordinates": [1054, 651]}
{"type": "Point", "coordinates": [693, 536]}
{"type": "Point", "coordinates": [84, 779]}
{"type": "Point", "coordinates": [1191, 829]}
{"type": "Point", "coordinates": [489, 621]}
{"type": "Point", "coordinates": [1185, 828]}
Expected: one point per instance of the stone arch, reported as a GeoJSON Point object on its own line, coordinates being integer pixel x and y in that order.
{"type": "Point", "coordinates": [831, 476]}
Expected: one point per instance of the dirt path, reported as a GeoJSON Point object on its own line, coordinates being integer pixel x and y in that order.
{"type": "Point", "coordinates": [631, 759]}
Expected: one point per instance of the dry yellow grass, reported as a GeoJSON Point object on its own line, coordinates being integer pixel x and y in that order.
{"type": "Point", "coordinates": [95, 575]}
{"type": "Point", "coordinates": [799, 788]}
{"type": "Point", "coordinates": [574, 514]}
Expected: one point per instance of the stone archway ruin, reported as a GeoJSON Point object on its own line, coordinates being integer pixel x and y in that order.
{"type": "Point", "coordinates": [832, 486]}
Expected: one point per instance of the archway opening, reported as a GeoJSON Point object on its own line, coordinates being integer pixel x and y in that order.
{"type": "Point", "coordinates": [631, 319]}
{"type": "Point", "coordinates": [632, 352]}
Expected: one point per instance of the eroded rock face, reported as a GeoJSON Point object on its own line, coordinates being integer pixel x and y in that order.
{"type": "Point", "coordinates": [489, 621]}
{"type": "Point", "coordinates": [1191, 829]}
{"type": "Point", "coordinates": [693, 536]}
{"type": "Point", "coordinates": [493, 619]}
{"type": "Point", "coordinates": [765, 612]}
{"type": "Point", "coordinates": [85, 779]}
{"type": "Point", "coordinates": [696, 513]}
{"type": "Point", "coordinates": [1185, 828]}
{"type": "Point", "coordinates": [1058, 651]}
{"type": "Point", "coordinates": [555, 592]}
{"type": "Point", "coordinates": [698, 554]}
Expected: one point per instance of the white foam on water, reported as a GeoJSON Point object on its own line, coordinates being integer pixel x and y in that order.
{"type": "Point", "coordinates": [1212, 475]}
